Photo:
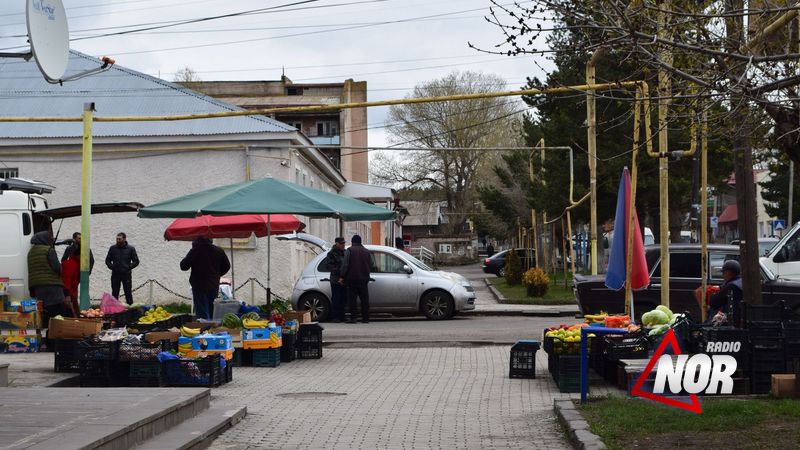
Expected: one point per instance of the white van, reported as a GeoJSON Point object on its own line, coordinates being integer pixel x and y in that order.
{"type": "Point", "coordinates": [23, 212]}
{"type": "Point", "coordinates": [784, 258]}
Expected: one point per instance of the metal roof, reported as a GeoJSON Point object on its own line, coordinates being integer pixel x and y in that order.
{"type": "Point", "coordinates": [116, 92]}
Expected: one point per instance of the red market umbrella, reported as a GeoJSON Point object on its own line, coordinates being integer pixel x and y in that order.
{"type": "Point", "coordinates": [214, 227]}
{"type": "Point", "coordinates": [232, 227]}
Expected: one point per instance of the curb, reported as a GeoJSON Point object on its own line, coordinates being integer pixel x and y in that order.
{"type": "Point", "coordinates": [499, 298]}
{"type": "Point", "coordinates": [576, 427]}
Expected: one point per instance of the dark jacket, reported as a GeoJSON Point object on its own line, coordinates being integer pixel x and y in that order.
{"type": "Point", "coordinates": [730, 294]}
{"type": "Point", "coordinates": [122, 260]}
{"type": "Point", "coordinates": [208, 263]}
{"type": "Point", "coordinates": [44, 269]}
{"type": "Point", "coordinates": [75, 249]}
{"type": "Point", "coordinates": [357, 265]}
{"type": "Point", "coordinates": [334, 262]}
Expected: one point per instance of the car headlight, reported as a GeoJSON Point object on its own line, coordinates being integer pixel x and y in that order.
{"type": "Point", "coordinates": [468, 287]}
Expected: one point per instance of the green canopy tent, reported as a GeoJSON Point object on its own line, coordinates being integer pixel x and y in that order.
{"type": "Point", "coordinates": [266, 196]}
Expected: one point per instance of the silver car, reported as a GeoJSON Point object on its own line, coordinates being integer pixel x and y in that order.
{"type": "Point", "coordinates": [400, 284]}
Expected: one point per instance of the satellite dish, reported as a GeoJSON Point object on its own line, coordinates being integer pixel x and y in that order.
{"type": "Point", "coordinates": [49, 37]}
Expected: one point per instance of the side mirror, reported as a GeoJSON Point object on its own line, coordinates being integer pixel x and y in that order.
{"type": "Point", "coordinates": [407, 269]}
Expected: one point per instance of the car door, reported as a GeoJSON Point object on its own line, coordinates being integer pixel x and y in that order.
{"type": "Point", "coordinates": [393, 288]}
{"type": "Point", "coordinates": [684, 268]}
{"type": "Point", "coordinates": [784, 258]}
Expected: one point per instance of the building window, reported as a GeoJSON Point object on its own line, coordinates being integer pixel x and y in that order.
{"type": "Point", "coordinates": [9, 172]}
{"type": "Point", "coordinates": [327, 128]}
{"type": "Point", "coordinates": [446, 248]}
{"type": "Point", "coordinates": [294, 91]}
{"type": "Point", "coordinates": [297, 125]}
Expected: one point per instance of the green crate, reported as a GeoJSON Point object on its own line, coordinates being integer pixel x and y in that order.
{"type": "Point", "coordinates": [145, 369]}
{"type": "Point", "coordinates": [268, 357]}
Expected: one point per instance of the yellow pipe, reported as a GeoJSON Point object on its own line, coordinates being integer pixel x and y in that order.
{"type": "Point", "coordinates": [591, 142]}
{"type": "Point", "coordinates": [313, 108]}
{"type": "Point", "coordinates": [545, 250]}
{"type": "Point", "coordinates": [86, 205]}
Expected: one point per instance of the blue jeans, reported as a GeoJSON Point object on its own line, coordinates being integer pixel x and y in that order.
{"type": "Point", "coordinates": [204, 303]}
{"type": "Point", "coordinates": [338, 300]}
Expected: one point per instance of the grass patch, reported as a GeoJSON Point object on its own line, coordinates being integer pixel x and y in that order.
{"type": "Point", "coordinates": [725, 423]}
{"type": "Point", "coordinates": [518, 295]}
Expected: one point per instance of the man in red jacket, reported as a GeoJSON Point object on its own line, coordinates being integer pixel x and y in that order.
{"type": "Point", "coordinates": [355, 273]}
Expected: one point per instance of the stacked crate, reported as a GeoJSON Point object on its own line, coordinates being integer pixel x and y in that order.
{"type": "Point", "coordinates": [765, 326]}
{"type": "Point", "coordinates": [522, 363]}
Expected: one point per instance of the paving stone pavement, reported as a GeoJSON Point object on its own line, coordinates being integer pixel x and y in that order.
{"type": "Point", "coordinates": [395, 398]}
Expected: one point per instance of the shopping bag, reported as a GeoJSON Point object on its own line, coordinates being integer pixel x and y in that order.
{"type": "Point", "coordinates": [110, 305]}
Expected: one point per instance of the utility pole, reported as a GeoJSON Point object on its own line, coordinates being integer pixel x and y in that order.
{"type": "Point", "coordinates": [664, 91]}
{"type": "Point", "coordinates": [591, 143]}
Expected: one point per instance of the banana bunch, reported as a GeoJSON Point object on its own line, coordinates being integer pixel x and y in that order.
{"type": "Point", "coordinates": [189, 332]}
{"type": "Point", "coordinates": [184, 348]}
{"type": "Point", "coordinates": [595, 318]}
{"type": "Point", "coordinates": [250, 323]}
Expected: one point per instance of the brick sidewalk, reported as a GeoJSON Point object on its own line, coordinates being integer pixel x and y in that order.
{"type": "Point", "coordinates": [375, 398]}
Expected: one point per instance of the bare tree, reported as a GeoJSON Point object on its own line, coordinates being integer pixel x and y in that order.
{"type": "Point", "coordinates": [434, 127]}
{"type": "Point", "coordinates": [186, 75]}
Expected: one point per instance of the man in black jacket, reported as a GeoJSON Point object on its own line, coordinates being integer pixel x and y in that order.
{"type": "Point", "coordinates": [122, 259]}
{"type": "Point", "coordinates": [208, 263]}
{"type": "Point", "coordinates": [334, 260]}
{"type": "Point", "coordinates": [355, 275]}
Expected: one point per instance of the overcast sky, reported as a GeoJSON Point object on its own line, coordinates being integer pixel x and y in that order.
{"type": "Point", "coordinates": [314, 41]}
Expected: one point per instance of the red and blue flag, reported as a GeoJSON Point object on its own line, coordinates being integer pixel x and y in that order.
{"type": "Point", "coordinates": [615, 277]}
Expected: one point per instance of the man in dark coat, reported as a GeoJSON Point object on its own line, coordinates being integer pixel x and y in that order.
{"type": "Point", "coordinates": [122, 259]}
{"type": "Point", "coordinates": [334, 262]}
{"type": "Point", "coordinates": [44, 276]}
{"type": "Point", "coordinates": [355, 274]}
{"type": "Point", "coordinates": [208, 263]}
{"type": "Point", "coordinates": [75, 249]}
{"type": "Point", "coordinates": [729, 298]}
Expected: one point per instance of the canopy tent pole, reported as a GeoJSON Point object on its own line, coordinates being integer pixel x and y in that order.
{"type": "Point", "coordinates": [233, 272]}
{"type": "Point", "coordinates": [269, 258]}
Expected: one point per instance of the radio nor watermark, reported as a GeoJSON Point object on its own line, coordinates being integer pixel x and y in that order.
{"type": "Point", "coordinates": [710, 373]}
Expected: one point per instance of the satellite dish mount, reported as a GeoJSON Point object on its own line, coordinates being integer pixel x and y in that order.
{"type": "Point", "coordinates": [48, 35]}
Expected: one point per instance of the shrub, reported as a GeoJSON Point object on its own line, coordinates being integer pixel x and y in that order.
{"type": "Point", "coordinates": [513, 268]}
{"type": "Point", "coordinates": [536, 281]}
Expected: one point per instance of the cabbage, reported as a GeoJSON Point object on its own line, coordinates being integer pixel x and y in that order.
{"type": "Point", "coordinates": [665, 310]}
{"type": "Point", "coordinates": [655, 317]}
{"type": "Point", "coordinates": [658, 331]}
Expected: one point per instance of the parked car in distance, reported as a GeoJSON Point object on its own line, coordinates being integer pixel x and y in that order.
{"type": "Point", "coordinates": [401, 284]}
{"type": "Point", "coordinates": [764, 244]}
{"type": "Point", "coordinates": [593, 296]}
{"type": "Point", "coordinates": [495, 264]}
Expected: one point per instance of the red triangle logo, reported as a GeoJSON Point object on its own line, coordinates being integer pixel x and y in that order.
{"type": "Point", "coordinates": [669, 339]}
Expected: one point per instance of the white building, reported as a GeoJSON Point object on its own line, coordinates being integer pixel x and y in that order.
{"type": "Point", "coordinates": [149, 162]}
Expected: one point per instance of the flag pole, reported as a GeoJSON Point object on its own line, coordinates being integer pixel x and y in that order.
{"type": "Point", "coordinates": [631, 209]}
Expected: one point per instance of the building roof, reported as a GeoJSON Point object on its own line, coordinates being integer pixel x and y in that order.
{"type": "Point", "coordinates": [422, 213]}
{"type": "Point", "coordinates": [116, 92]}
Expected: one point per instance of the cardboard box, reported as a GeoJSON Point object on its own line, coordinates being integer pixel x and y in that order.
{"type": "Point", "coordinates": [300, 316]}
{"type": "Point", "coordinates": [261, 338]}
{"type": "Point", "coordinates": [73, 328]}
{"type": "Point", "coordinates": [21, 344]}
{"type": "Point", "coordinates": [20, 321]}
{"type": "Point", "coordinates": [212, 342]}
{"type": "Point", "coordinates": [157, 336]}
{"type": "Point", "coordinates": [4, 285]}
{"type": "Point", "coordinates": [783, 385]}
{"type": "Point", "coordinates": [236, 333]}
{"type": "Point", "coordinates": [201, 325]}
{"type": "Point", "coordinates": [227, 354]}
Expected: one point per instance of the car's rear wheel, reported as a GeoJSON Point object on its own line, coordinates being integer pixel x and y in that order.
{"type": "Point", "coordinates": [318, 304]}
{"type": "Point", "coordinates": [501, 272]}
{"type": "Point", "coordinates": [438, 305]}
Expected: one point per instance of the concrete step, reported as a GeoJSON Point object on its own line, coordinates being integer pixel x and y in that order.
{"type": "Point", "coordinates": [198, 432]}
{"type": "Point", "coordinates": [94, 418]}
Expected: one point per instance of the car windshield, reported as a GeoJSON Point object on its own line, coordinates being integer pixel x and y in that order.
{"type": "Point", "coordinates": [409, 257]}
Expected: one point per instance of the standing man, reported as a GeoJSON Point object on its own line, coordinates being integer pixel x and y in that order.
{"type": "Point", "coordinates": [489, 250]}
{"type": "Point", "coordinates": [74, 249]}
{"type": "Point", "coordinates": [122, 259]}
{"type": "Point", "coordinates": [355, 273]}
{"type": "Point", "coordinates": [208, 263]}
{"type": "Point", "coordinates": [338, 290]}
{"type": "Point", "coordinates": [44, 275]}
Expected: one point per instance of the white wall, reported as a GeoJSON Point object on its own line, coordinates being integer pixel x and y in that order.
{"type": "Point", "coordinates": [152, 177]}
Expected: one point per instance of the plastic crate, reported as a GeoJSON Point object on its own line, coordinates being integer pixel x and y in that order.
{"type": "Point", "coordinates": [765, 329]}
{"type": "Point", "coordinates": [309, 341]}
{"type": "Point", "coordinates": [67, 355]}
{"type": "Point", "coordinates": [145, 369]}
{"type": "Point", "coordinates": [623, 347]}
{"type": "Point", "coordinates": [725, 334]}
{"type": "Point", "coordinates": [268, 357]}
{"type": "Point", "coordinates": [146, 382]}
{"type": "Point", "coordinates": [569, 365]}
{"type": "Point", "coordinates": [552, 364]}
{"type": "Point", "coordinates": [289, 349]}
{"type": "Point", "coordinates": [91, 350]}
{"type": "Point", "coordinates": [569, 383]}
{"type": "Point", "coordinates": [228, 373]}
{"type": "Point", "coordinates": [99, 373]}
{"type": "Point", "coordinates": [765, 343]}
{"type": "Point", "coordinates": [522, 363]}
{"type": "Point", "coordinates": [142, 352]}
{"type": "Point", "coordinates": [760, 384]}
{"type": "Point", "coordinates": [125, 318]}
{"type": "Point", "coordinates": [756, 314]}
{"type": "Point", "coordinates": [207, 372]}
